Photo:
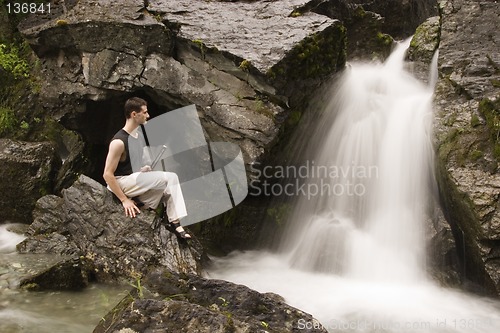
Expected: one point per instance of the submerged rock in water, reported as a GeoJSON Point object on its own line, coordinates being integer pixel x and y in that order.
{"type": "Point", "coordinates": [167, 302]}
{"type": "Point", "coordinates": [88, 221]}
{"type": "Point", "coordinates": [69, 274]}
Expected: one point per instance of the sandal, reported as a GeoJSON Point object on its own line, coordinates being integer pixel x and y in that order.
{"type": "Point", "coordinates": [179, 230]}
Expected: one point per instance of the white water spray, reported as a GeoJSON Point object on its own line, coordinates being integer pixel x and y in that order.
{"type": "Point", "coordinates": [357, 262]}
{"type": "Point", "coordinates": [8, 239]}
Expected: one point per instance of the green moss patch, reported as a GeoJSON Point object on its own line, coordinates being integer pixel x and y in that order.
{"type": "Point", "coordinates": [491, 113]}
{"type": "Point", "coordinates": [316, 56]}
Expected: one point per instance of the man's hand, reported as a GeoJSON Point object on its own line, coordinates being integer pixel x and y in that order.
{"type": "Point", "coordinates": [146, 168]}
{"type": "Point", "coordinates": [130, 208]}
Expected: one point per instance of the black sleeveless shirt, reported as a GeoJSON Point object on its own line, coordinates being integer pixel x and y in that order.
{"type": "Point", "coordinates": [124, 168]}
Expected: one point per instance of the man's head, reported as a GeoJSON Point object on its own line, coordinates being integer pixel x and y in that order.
{"type": "Point", "coordinates": [134, 104]}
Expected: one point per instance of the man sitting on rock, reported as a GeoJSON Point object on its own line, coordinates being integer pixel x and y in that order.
{"type": "Point", "coordinates": [146, 186]}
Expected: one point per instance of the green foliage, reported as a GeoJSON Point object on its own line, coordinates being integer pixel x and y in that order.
{"type": "Point", "coordinates": [474, 121]}
{"type": "Point", "coordinates": [359, 12]}
{"type": "Point", "coordinates": [137, 285]}
{"type": "Point", "coordinates": [294, 118]}
{"type": "Point", "coordinates": [200, 44]}
{"type": "Point", "coordinates": [261, 108]}
{"type": "Point", "coordinates": [475, 155]}
{"type": "Point", "coordinates": [171, 297]}
{"type": "Point", "coordinates": [384, 39]}
{"type": "Point", "coordinates": [244, 65]}
{"type": "Point", "coordinates": [491, 112]}
{"type": "Point", "coordinates": [31, 286]}
{"type": "Point", "coordinates": [12, 63]}
{"type": "Point", "coordinates": [495, 83]}
{"type": "Point", "coordinates": [24, 125]}
{"type": "Point", "coordinates": [8, 120]}
{"type": "Point", "coordinates": [225, 303]}
{"type": "Point", "coordinates": [316, 56]}
{"type": "Point", "coordinates": [229, 217]}
{"type": "Point", "coordinates": [157, 17]}
{"type": "Point", "coordinates": [279, 213]}
{"type": "Point", "coordinates": [21, 116]}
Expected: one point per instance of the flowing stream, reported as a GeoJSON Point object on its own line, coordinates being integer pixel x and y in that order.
{"type": "Point", "coordinates": [354, 253]}
{"type": "Point", "coordinates": [46, 312]}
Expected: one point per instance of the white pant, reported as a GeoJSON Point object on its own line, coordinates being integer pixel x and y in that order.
{"type": "Point", "coordinates": [153, 186]}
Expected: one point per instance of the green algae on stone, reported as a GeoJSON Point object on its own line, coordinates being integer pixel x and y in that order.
{"type": "Point", "coordinates": [426, 40]}
{"type": "Point", "coordinates": [491, 112]}
{"type": "Point", "coordinates": [315, 56]}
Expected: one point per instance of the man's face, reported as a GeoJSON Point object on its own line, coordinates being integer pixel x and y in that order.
{"type": "Point", "coordinates": [142, 116]}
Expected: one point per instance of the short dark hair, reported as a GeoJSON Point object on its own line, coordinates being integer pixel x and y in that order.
{"type": "Point", "coordinates": [133, 104]}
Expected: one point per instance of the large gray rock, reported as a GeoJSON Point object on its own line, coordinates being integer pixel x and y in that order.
{"type": "Point", "coordinates": [243, 64]}
{"type": "Point", "coordinates": [466, 134]}
{"type": "Point", "coordinates": [92, 26]}
{"type": "Point", "coordinates": [28, 170]}
{"type": "Point", "coordinates": [262, 33]}
{"type": "Point", "coordinates": [88, 221]}
{"type": "Point", "coordinates": [171, 303]}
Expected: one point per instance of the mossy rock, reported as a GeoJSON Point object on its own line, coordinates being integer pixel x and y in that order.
{"type": "Point", "coordinates": [491, 112]}
{"type": "Point", "coordinates": [425, 41]}
{"type": "Point", "coordinates": [317, 56]}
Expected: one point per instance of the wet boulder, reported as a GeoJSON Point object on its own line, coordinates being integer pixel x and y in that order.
{"type": "Point", "coordinates": [467, 114]}
{"type": "Point", "coordinates": [68, 274]}
{"type": "Point", "coordinates": [425, 41]}
{"type": "Point", "coordinates": [270, 45]}
{"type": "Point", "coordinates": [89, 222]}
{"type": "Point", "coordinates": [168, 302]}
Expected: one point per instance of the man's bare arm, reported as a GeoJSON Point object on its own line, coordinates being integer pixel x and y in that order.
{"type": "Point", "coordinates": [116, 149]}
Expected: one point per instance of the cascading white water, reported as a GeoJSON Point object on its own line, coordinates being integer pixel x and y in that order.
{"type": "Point", "coordinates": [380, 142]}
{"type": "Point", "coordinates": [8, 240]}
{"type": "Point", "coordinates": [354, 256]}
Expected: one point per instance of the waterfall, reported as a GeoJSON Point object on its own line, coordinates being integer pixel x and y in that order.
{"type": "Point", "coordinates": [379, 146]}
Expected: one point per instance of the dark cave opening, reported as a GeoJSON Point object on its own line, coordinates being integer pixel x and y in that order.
{"type": "Point", "coordinates": [101, 119]}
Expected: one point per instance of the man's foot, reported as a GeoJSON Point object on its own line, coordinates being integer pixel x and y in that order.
{"type": "Point", "coordinates": [179, 230]}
